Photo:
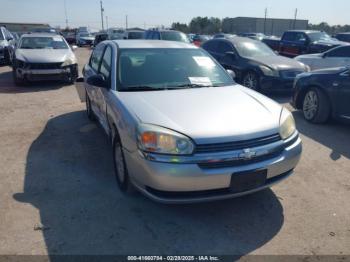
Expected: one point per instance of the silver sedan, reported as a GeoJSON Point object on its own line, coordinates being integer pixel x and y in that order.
{"type": "Point", "coordinates": [182, 130]}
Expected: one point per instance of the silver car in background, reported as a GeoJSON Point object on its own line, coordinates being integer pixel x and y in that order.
{"type": "Point", "coordinates": [43, 56]}
{"type": "Point", "coordinates": [182, 130]}
{"type": "Point", "coordinates": [336, 57]}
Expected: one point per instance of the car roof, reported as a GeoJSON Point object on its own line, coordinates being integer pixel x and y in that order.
{"type": "Point", "coordinates": [41, 35]}
{"type": "Point", "coordinates": [304, 31]}
{"type": "Point", "coordinates": [344, 33]}
{"type": "Point", "coordinates": [133, 44]}
{"type": "Point", "coordinates": [235, 39]}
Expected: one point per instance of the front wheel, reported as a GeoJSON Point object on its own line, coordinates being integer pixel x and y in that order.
{"type": "Point", "coordinates": [316, 106]}
{"type": "Point", "coordinates": [120, 168]}
{"type": "Point", "coordinates": [251, 80]}
{"type": "Point", "coordinates": [18, 81]}
{"type": "Point", "coordinates": [89, 112]}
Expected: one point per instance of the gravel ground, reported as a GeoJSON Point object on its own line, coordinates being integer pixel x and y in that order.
{"type": "Point", "coordinates": [58, 193]}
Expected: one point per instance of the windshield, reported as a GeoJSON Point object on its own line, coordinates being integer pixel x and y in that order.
{"type": "Point", "coordinates": [175, 36]}
{"type": "Point", "coordinates": [135, 35]}
{"type": "Point", "coordinates": [55, 42]}
{"type": "Point", "coordinates": [319, 36]}
{"type": "Point", "coordinates": [254, 49]}
{"type": "Point", "coordinates": [157, 69]}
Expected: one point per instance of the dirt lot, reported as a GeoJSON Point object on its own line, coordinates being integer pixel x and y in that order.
{"type": "Point", "coordinates": [58, 193]}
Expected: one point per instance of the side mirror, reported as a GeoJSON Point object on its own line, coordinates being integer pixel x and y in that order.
{"type": "Point", "coordinates": [9, 38]}
{"type": "Point", "coordinates": [74, 47]}
{"type": "Point", "coordinates": [97, 80]}
{"type": "Point", "coordinates": [231, 73]}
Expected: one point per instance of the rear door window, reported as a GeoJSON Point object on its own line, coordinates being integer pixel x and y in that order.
{"type": "Point", "coordinates": [289, 36]}
{"type": "Point", "coordinates": [224, 47]}
{"type": "Point", "coordinates": [340, 52]}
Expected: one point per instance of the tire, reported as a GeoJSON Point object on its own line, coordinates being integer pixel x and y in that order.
{"type": "Point", "coordinates": [316, 106]}
{"type": "Point", "coordinates": [16, 80]}
{"type": "Point", "coordinates": [89, 112]}
{"type": "Point", "coordinates": [251, 81]}
{"type": "Point", "coordinates": [120, 167]}
{"type": "Point", "coordinates": [7, 57]}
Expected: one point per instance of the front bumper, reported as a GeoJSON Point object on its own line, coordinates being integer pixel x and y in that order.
{"type": "Point", "coordinates": [276, 83]}
{"type": "Point", "coordinates": [191, 182]}
{"type": "Point", "coordinates": [63, 73]}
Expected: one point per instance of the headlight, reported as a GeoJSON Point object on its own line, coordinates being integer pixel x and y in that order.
{"type": "Point", "coordinates": [287, 124]}
{"type": "Point", "coordinates": [156, 139]}
{"type": "Point", "coordinates": [68, 62]}
{"type": "Point", "coordinates": [268, 71]}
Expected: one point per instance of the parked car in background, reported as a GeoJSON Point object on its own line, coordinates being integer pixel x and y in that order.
{"type": "Point", "coordinates": [323, 94]}
{"type": "Point", "coordinates": [40, 56]}
{"type": "Point", "coordinates": [256, 66]}
{"type": "Point", "coordinates": [172, 113]}
{"type": "Point", "coordinates": [345, 37]}
{"type": "Point", "coordinates": [71, 38]}
{"type": "Point", "coordinates": [222, 35]}
{"type": "Point", "coordinates": [100, 37]}
{"type": "Point", "coordinates": [7, 45]}
{"type": "Point", "coordinates": [168, 35]}
{"type": "Point", "coordinates": [336, 57]}
{"type": "Point", "coordinates": [254, 36]}
{"type": "Point", "coordinates": [49, 30]}
{"type": "Point", "coordinates": [115, 33]}
{"type": "Point", "coordinates": [134, 34]}
{"type": "Point", "coordinates": [299, 42]}
{"type": "Point", "coordinates": [85, 39]}
{"type": "Point", "coordinates": [198, 40]}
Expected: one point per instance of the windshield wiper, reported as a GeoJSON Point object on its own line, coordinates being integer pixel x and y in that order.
{"type": "Point", "coordinates": [196, 86]}
{"type": "Point", "coordinates": [142, 88]}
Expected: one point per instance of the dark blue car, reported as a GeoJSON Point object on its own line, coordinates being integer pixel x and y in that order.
{"type": "Point", "coordinates": [323, 94]}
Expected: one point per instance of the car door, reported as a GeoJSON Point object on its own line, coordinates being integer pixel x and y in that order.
{"type": "Point", "coordinates": [336, 58]}
{"type": "Point", "coordinates": [222, 48]}
{"type": "Point", "coordinates": [91, 69]}
{"type": "Point", "coordinates": [101, 92]}
{"type": "Point", "coordinates": [343, 94]}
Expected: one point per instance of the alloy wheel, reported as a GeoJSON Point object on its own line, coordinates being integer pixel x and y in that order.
{"type": "Point", "coordinates": [310, 105]}
{"type": "Point", "coordinates": [250, 81]}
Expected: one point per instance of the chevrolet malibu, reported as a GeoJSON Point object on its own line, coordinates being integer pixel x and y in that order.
{"type": "Point", "coordinates": [42, 56]}
{"type": "Point", "coordinates": [182, 130]}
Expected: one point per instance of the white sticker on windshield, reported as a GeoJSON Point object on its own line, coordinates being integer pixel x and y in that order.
{"type": "Point", "coordinates": [203, 81]}
{"type": "Point", "coordinates": [204, 61]}
{"type": "Point", "coordinates": [57, 39]}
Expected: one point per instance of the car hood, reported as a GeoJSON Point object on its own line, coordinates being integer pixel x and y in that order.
{"type": "Point", "coordinates": [280, 63]}
{"type": "Point", "coordinates": [330, 42]}
{"type": "Point", "coordinates": [207, 115]}
{"type": "Point", "coordinates": [44, 55]}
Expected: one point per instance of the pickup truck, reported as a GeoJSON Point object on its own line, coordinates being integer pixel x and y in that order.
{"type": "Point", "coordinates": [299, 42]}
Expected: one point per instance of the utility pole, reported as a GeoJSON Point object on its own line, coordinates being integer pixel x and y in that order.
{"type": "Point", "coordinates": [106, 22]}
{"type": "Point", "coordinates": [102, 10]}
{"type": "Point", "coordinates": [295, 17]}
{"type": "Point", "coordinates": [265, 21]}
{"type": "Point", "coordinates": [126, 22]}
{"type": "Point", "coordinates": [65, 13]}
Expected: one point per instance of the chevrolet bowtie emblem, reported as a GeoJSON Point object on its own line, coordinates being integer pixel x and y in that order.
{"type": "Point", "coordinates": [247, 154]}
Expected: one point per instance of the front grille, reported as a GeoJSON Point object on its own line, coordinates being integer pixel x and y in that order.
{"type": "Point", "coordinates": [44, 65]}
{"type": "Point", "coordinates": [290, 73]}
{"type": "Point", "coordinates": [237, 145]}
{"type": "Point", "coordinates": [239, 162]}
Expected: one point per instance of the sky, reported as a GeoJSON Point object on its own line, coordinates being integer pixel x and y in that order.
{"type": "Point", "coordinates": [152, 13]}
